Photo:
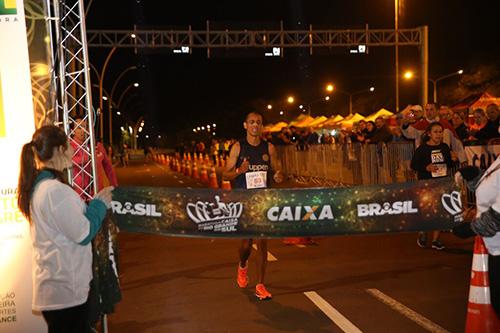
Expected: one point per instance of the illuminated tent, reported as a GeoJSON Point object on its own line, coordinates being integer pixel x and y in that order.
{"type": "Point", "coordinates": [298, 120]}
{"type": "Point", "coordinates": [476, 101]}
{"type": "Point", "coordinates": [332, 121]}
{"type": "Point", "coordinates": [318, 121]}
{"type": "Point", "coordinates": [304, 122]}
{"type": "Point", "coordinates": [276, 127]}
{"type": "Point", "coordinates": [349, 121]}
{"type": "Point", "coordinates": [380, 113]}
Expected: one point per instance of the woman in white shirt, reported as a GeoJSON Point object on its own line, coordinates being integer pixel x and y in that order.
{"type": "Point", "coordinates": [487, 221]}
{"type": "Point", "coordinates": [61, 226]}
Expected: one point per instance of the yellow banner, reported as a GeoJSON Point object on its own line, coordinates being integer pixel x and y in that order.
{"type": "Point", "coordinates": [16, 128]}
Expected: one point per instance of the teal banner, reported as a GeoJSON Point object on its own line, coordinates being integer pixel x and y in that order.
{"type": "Point", "coordinates": [276, 213]}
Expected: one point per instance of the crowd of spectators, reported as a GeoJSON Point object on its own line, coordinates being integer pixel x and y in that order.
{"type": "Point", "coordinates": [460, 130]}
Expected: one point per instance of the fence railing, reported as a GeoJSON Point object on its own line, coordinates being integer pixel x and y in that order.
{"type": "Point", "coordinates": [350, 164]}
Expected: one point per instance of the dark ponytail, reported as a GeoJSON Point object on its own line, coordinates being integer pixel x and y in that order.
{"type": "Point", "coordinates": [44, 140]}
{"type": "Point", "coordinates": [27, 177]}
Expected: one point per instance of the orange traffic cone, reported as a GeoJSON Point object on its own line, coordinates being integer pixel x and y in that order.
{"type": "Point", "coordinates": [178, 166]}
{"type": "Point", "coordinates": [481, 318]}
{"type": "Point", "coordinates": [204, 174]}
{"type": "Point", "coordinates": [195, 174]}
{"type": "Point", "coordinates": [226, 185]}
{"type": "Point", "coordinates": [189, 156]}
{"type": "Point", "coordinates": [187, 170]}
{"type": "Point", "coordinates": [213, 179]}
{"type": "Point", "coordinates": [207, 160]}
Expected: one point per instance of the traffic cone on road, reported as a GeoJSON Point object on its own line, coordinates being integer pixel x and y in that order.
{"type": "Point", "coordinates": [226, 185]}
{"type": "Point", "coordinates": [195, 173]}
{"type": "Point", "coordinates": [204, 175]}
{"type": "Point", "coordinates": [481, 318]}
{"type": "Point", "coordinates": [213, 179]}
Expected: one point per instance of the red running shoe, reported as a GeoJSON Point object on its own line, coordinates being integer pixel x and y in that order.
{"type": "Point", "coordinates": [242, 278]}
{"type": "Point", "coordinates": [262, 293]}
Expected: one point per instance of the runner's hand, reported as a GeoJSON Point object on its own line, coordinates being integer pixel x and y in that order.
{"type": "Point", "coordinates": [244, 166]}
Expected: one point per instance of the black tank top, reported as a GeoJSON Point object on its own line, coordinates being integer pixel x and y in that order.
{"type": "Point", "coordinates": [257, 156]}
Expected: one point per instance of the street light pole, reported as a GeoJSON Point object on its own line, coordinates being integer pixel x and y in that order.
{"type": "Point", "coordinates": [350, 95]}
{"type": "Point", "coordinates": [110, 106]}
{"type": "Point", "coordinates": [350, 104]}
{"type": "Point", "coordinates": [103, 72]}
{"type": "Point", "coordinates": [435, 81]}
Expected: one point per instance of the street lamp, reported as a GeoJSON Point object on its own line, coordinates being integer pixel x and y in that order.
{"type": "Point", "coordinates": [290, 99]}
{"type": "Point", "coordinates": [269, 106]}
{"type": "Point", "coordinates": [408, 75]}
{"type": "Point", "coordinates": [124, 93]}
{"type": "Point", "coordinates": [435, 81]}
{"type": "Point", "coordinates": [350, 95]}
{"type": "Point", "coordinates": [110, 106]}
{"type": "Point", "coordinates": [329, 87]}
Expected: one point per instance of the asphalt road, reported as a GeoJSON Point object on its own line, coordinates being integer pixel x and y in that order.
{"type": "Point", "coordinates": [375, 283]}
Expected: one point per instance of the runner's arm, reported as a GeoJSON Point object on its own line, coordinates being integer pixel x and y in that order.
{"type": "Point", "coordinates": [230, 171]}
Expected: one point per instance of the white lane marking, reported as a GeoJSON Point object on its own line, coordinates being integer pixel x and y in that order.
{"type": "Point", "coordinates": [270, 257]}
{"type": "Point", "coordinates": [180, 182]}
{"type": "Point", "coordinates": [300, 245]}
{"type": "Point", "coordinates": [407, 312]}
{"type": "Point", "coordinates": [342, 322]}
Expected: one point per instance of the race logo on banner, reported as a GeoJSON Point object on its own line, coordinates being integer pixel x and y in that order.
{"type": "Point", "coordinates": [417, 206]}
{"type": "Point", "coordinates": [215, 216]}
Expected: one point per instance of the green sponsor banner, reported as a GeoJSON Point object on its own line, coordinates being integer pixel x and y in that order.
{"type": "Point", "coordinates": [275, 213]}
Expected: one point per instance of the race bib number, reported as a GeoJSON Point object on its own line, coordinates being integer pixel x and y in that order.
{"type": "Point", "coordinates": [441, 171]}
{"type": "Point", "coordinates": [256, 179]}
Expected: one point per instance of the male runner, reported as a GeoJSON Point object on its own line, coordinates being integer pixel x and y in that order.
{"type": "Point", "coordinates": [250, 164]}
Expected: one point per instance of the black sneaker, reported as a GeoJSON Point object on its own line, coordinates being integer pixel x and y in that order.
{"type": "Point", "coordinates": [422, 239]}
{"type": "Point", "coordinates": [437, 245]}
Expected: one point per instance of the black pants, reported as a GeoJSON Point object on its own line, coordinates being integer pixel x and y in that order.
{"type": "Point", "coordinates": [494, 275]}
{"type": "Point", "coordinates": [69, 320]}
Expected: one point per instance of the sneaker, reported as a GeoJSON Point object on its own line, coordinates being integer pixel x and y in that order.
{"type": "Point", "coordinates": [242, 278]}
{"type": "Point", "coordinates": [422, 239]}
{"type": "Point", "coordinates": [262, 293]}
{"type": "Point", "coordinates": [437, 245]}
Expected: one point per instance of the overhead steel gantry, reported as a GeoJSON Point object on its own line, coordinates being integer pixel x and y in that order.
{"type": "Point", "coordinates": [69, 41]}
{"type": "Point", "coordinates": [211, 39]}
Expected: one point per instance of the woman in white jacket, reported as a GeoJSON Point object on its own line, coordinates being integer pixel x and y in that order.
{"type": "Point", "coordinates": [487, 221]}
{"type": "Point", "coordinates": [61, 226]}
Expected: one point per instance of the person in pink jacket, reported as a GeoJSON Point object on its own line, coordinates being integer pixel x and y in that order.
{"type": "Point", "coordinates": [82, 167]}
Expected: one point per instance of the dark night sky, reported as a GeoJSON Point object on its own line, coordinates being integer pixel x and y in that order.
{"type": "Point", "coordinates": [182, 92]}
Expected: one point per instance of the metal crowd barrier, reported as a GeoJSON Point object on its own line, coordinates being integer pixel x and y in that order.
{"type": "Point", "coordinates": [367, 164]}
{"type": "Point", "coordinates": [349, 164]}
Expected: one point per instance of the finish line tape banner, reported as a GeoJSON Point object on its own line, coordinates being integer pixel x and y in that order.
{"type": "Point", "coordinates": [276, 213]}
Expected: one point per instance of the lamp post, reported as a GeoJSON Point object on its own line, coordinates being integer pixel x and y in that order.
{"type": "Point", "coordinates": [110, 106]}
{"type": "Point", "coordinates": [101, 80]}
{"type": "Point", "coordinates": [351, 95]}
{"type": "Point", "coordinates": [322, 99]}
{"type": "Point", "coordinates": [435, 81]}
{"type": "Point", "coordinates": [133, 85]}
